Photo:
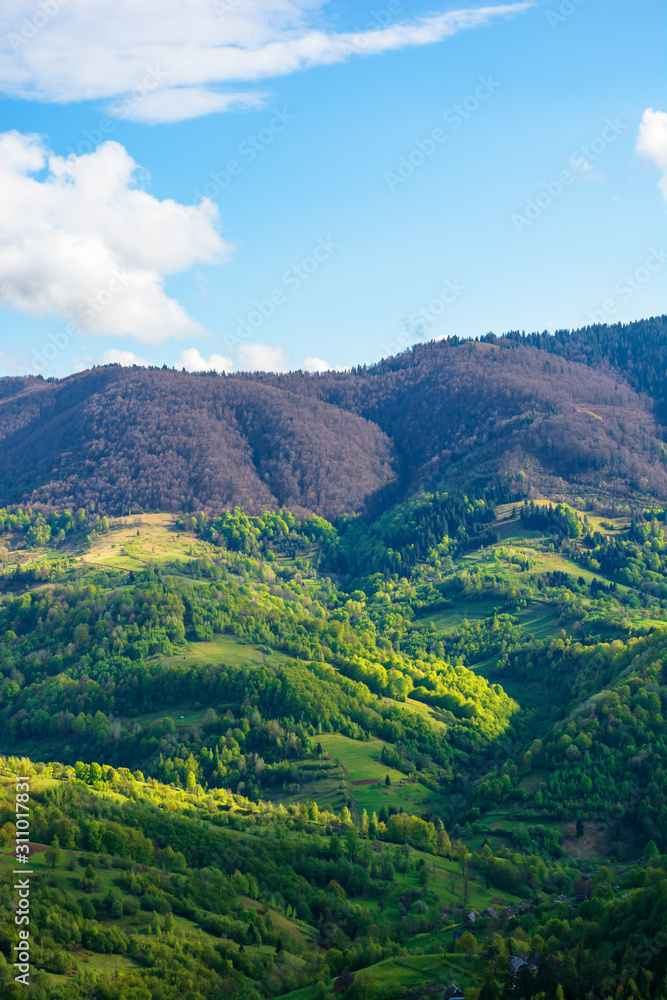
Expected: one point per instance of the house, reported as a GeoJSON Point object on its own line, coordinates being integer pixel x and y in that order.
{"type": "Point", "coordinates": [453, 993]}
{"type": "Point", "coordinates": [489, 912]}
{"type": "Point", "coordinates": [508, 913]}
{"type": "Point", "coordinates": [524, 906]}
{"type": "Point", "coordinates": [376, 847]}
{"type": "Point", "coordinates": [471, 917]}
{"type": "Point", "coordinates": [457, 936]}
{"type": "Point", "coordinates": [580, 897]}
{"type": "Point", "coordinates": [561, 899]}
{"type": "Point", "coordinates": [517, 963]}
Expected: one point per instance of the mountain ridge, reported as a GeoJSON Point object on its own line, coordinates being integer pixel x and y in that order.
{"type": "Point", "coordinates": [517, 412]}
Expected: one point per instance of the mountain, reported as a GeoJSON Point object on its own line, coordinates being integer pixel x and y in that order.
{"type": "Point", "coordinates": [256, 753]}
{"type": "Point", "coordinates": [468, 413]}
{"type": "Point", "coordinates": [165, 440]}
{"type": "Point", "coordinates": [570, 415]}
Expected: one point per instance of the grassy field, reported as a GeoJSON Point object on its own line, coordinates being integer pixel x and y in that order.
{"type": "Point", "coordinates": [360, 761]}
{"type": "Point", "coordinates": [141, 539]}
{"type": "Point", "coordinates": [224, 649]}
{"type": "Point", "coordinates": [412, 970]}
{"type": "Point", "coordinates": [405, 971]}
{"type": "Point", "coordinates": [289, 929]}
{"type": "Point", "coordinates": [131, 543]}
{"type": "Point", "coordinates": [539, 619]}
{"type": "Point", "coordinates": [452, 618]}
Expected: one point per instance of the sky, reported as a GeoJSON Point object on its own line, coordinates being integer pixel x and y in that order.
{"type": "Point", "coordinates": [283, 184]}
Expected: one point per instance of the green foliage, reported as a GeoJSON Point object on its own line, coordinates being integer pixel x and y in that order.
{"type": "Point", "coordinates": [194, 710]}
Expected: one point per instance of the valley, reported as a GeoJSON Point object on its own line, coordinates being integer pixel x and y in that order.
{"type": "Point", "coordinates": [276, 755]}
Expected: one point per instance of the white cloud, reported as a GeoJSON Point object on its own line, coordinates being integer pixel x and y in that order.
{"type": "Point", "coordinates": [652, 142]}
{"type": "Point", "coordinates": [124, 358]}
{"type": "Point", "coordinates": [82, 240]}
{"type": "Point", "coordinates": [193, 361]}
{"type": "Point", "coordinates": [178, 104]}
{"type": "Point", "coordinates": [315, 365]}
{"type": "Point", "coordinates": [262, 358]}
{"type": "Point", "coordinates": [178, 59]}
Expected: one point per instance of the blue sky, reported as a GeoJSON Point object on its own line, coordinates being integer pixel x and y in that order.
{"type": "Point", "coordinates": [296, 183]}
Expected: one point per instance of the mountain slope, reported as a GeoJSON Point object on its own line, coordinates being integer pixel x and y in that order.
{"type": "Point", "coordinates": [460, 415]}
{"type": "Point", "coordinates": [464, 413]}
{"type": "Point", "coordinates": [166, 440]}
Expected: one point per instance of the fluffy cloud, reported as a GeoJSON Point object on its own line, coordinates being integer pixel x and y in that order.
{"type": "Point", "coordinates": [179, 59]}
{"type": "Point", "coordinates": [262, 358]}
{"type": "Point", "coordinates": [315, 365]}
{"type": "Point", "coordinates": [652, 142]}
{"type": "Point", "coordinates": [82, 240]}
{"type": "Point", "coordinates": [124, 358]}
{"type": "Point", "coordinates": [193, 361]}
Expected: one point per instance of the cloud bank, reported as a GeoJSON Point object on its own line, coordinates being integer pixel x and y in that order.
{"type": "Point", "coordinates": [193, 361]}
{"type": "Point", "coordinates": [79, 239]}
{"type": "Point", "coordinates": [176, 60]}
{"type": "Point", "coordinates": [262, 358]}
{"type": "Point", "coordinates": [652, 143]}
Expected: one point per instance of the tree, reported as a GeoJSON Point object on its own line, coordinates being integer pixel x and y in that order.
{"type": "Point", "coordinates": [490, 989]}
{"type": "Point", "coordinates": [54, 855]}
{"type": "Point", "coordinates": [363, 987]}
{"type": "Point", "coordinates": [466, 945]}
{"type": "Point", "coordinates": [651, 851]}
{"type": "Point", "coordinates": [7, 835]}
{"type": "Point", "coordinates": [580, 828]}
{"type": "Point", "coordinates": [387, 781]}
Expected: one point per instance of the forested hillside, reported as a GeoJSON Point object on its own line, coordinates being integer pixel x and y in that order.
{"type": "Point", "coordinates": [573, 415]}
{"type": "Point", "coordinates": [465, 414]}
{"type": "Point", "coordinates": [349, 685]}
{"type": "Point", "coordinates": [165, 440]}
{"type": "Point", "coordinates": [276, 757]}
